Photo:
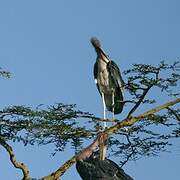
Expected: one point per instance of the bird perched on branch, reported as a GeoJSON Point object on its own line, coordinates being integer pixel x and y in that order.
{"type": "Point", "coordinates": [108, 80]}
{"type": "Point", "coordinates": [109, 83]}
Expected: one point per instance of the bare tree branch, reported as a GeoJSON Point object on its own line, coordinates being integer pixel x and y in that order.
{"type": "Point", "coordinates": [16, 164]}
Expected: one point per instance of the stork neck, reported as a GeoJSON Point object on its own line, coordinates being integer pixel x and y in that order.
{"type": "Point", "coordinates": [102, 64]}
{"type": "Point", "coordinates": [102, 58]}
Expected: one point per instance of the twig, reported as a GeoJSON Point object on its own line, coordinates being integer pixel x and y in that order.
{"type": "Point", "coordinates": [16, 164]}
{"type": "Point", "coordinates": [144, 94]}
{"type": "Point", "coordinates": [140, 100]}
{"type": "Point", "coordinates": [174, 113]}
{"type": "Point", "coordinates": [97, 118]}
{"type": "Point", "coordinates": [132, 150]}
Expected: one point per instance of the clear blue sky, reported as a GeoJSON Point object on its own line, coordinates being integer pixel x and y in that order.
{"type": "Point", "coordinates": [45, 44]}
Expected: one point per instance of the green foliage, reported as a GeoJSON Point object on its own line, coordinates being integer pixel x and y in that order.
{"type": "Point", "coordinates": [55, 124]}
{"type": "Point", "coordinates": [143, 76]}
{"type": "Point", "coordinates": [4, 74]}
{"type": "Point", "coordinates": [63, 124]}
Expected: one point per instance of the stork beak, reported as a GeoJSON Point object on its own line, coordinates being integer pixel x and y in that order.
{"type": "Point", "coordinates": [97, 45]}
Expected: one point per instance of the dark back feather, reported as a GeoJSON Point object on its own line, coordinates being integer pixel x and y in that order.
{"type": "Point", "coordinates": [118, 84]}
{"type": "Point", "coordinates": [94, 169]}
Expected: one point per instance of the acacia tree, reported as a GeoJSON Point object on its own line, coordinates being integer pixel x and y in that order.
{"type": "Point", "coordinates": [63, 124]}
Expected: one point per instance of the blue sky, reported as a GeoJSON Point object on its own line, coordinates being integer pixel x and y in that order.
{"type": "Point", "coordinates": [45, 44]}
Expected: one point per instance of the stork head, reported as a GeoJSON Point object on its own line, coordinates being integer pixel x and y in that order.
{"type": "Point", "coordinates": [100, 52]}
{"type": "Point", "coordinates": [95, 42]}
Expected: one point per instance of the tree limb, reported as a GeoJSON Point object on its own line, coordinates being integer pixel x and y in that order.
{"type": "Point", "coordinates": [130, 121]}
{"type": "Point", "coordinates": [16, 164]}
{"type": "Point", "coordinates": [61, 170]}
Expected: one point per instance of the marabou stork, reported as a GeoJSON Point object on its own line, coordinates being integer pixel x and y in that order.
{"type": "Point", "coordinates": [108, 80]}
{"type": "Point", "coordinates": [109, 83]}
{"type": "Point", "coordinates": [94, 169]}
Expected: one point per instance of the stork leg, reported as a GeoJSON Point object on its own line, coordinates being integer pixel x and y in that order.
{"type": "Point", "coordinates": [104, 111]}
{"type": "Point", "coordinates": [113, 105]}
{"type": "Point", "coordinates": [103, 146]}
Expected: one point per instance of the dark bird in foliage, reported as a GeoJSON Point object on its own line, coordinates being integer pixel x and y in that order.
{"type": "Point", "coordinates": [108, 80]}
{"type": "Point", "coordinates": [94, 169]}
